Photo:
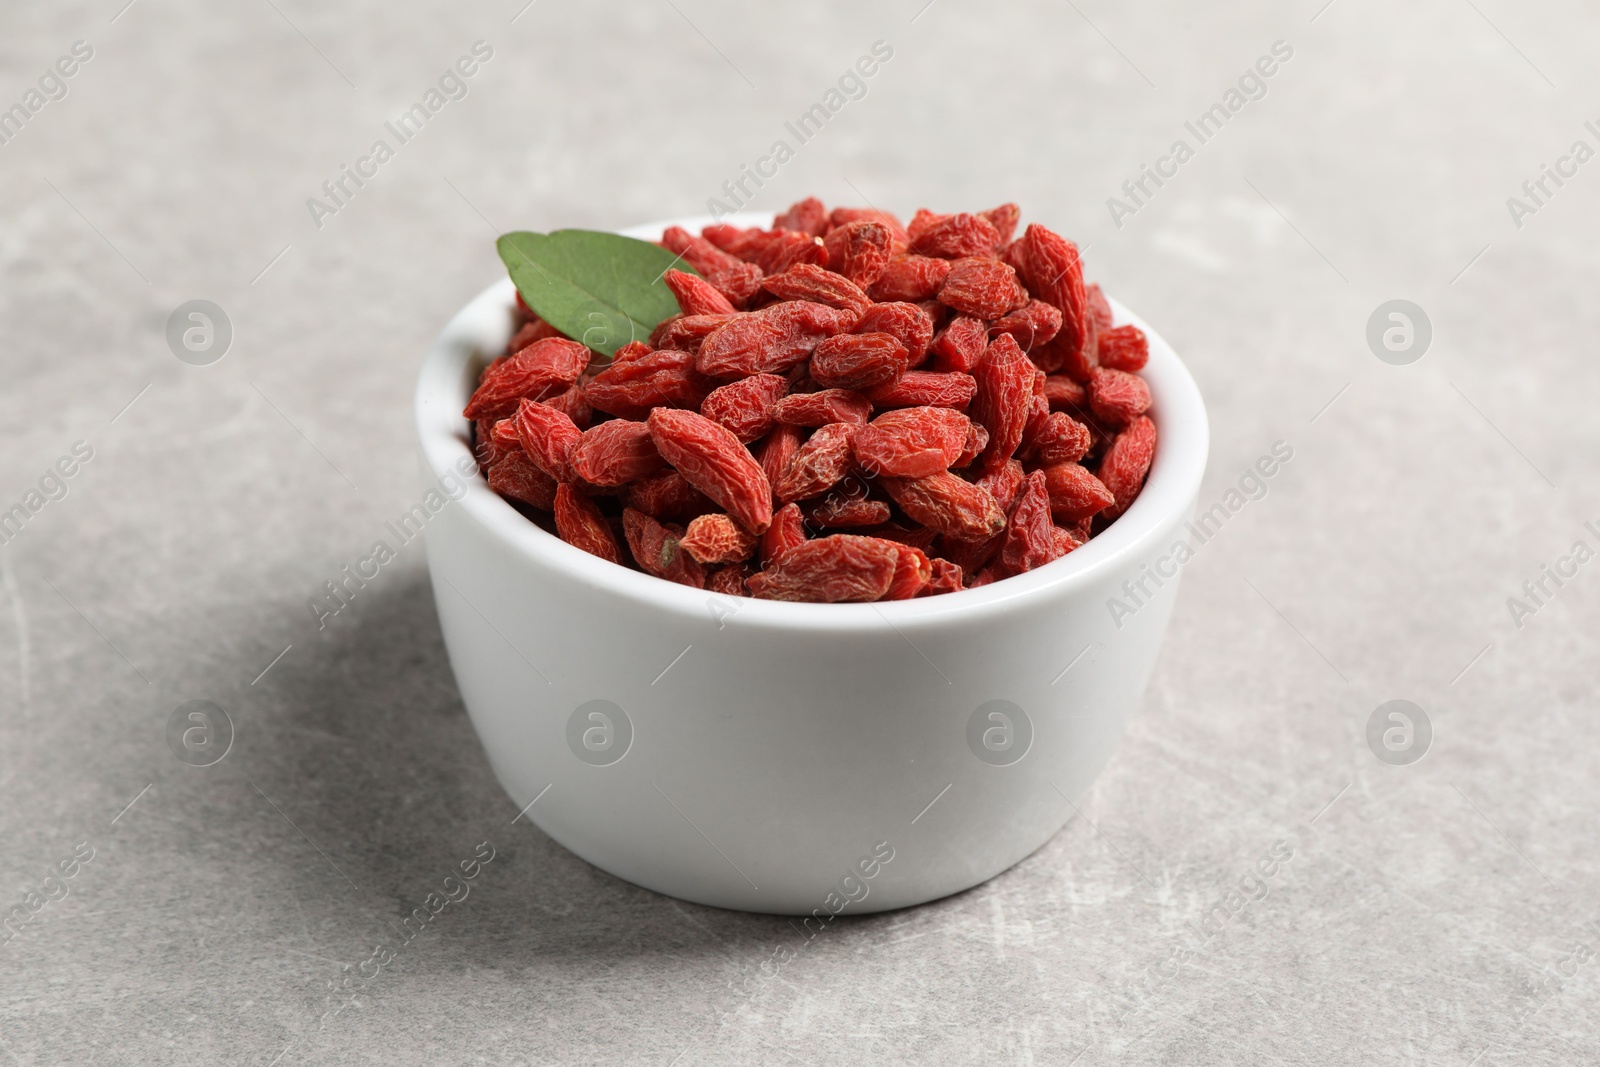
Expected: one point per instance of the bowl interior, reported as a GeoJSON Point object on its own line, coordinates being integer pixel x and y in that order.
{"type": "Point", "coordinates": [480, 330]}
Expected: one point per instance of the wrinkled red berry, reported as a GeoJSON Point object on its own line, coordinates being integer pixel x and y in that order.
{"type": "Point", "coordinates": [912, 442]}
{"type": "Point", "coordinates": [714, 462]}
{"type": "Point", "coordinates": [910, 278]}
{"type": "Point", "coordinates": [916, 388]}
{"type": "Point", "coordinates": [770, 340]}
{"type": "Point", "coordinates": [542, 369]}
{"type": "Point", "coordinates": [715, 538]}
{"type": "Point", "coordinates": [823, 407]}
{"type": "Point", "coordinates": [615, 453]}
{"type": "Point", "coordinates": [907, 323]}
{"type": "Point", "coordinates": [841, 567]}
{"type": "Point", "coordinates": [580, 523]}
{"type": "Point", "coordinates": [818, 465]}
{"type": "Point", "coordinates": [1124, 348]}
{"type": "Point", "coordinates": [859, 251]}
{"type": "Point", "coordinates": [1126, 462]}
{"type": "Point", "coordinates": [696, 296]}
{"type": "Point", "coordinates": [857, 361]}
{"type": "Point", "coordinates": [985, 288]}
{"type": "Point", "coordinates": [745, 406]}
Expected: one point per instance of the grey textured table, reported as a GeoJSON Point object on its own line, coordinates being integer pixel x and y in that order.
{"type": "Point", "coordinates": [1442, 912]}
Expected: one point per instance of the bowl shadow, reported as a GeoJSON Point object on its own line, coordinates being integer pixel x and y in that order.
{"type": "Point", "coordinates": [367, 745]}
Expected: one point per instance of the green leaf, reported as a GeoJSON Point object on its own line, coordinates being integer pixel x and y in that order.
{"type": "Point", "coordinates": [602, 289]}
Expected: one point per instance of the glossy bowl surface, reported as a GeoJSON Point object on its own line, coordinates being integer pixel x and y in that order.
{"type": "Point", "coordinates": [790, 758]}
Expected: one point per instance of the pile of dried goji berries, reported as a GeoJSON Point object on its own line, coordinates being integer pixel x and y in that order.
{"type": "Point", "coordinates": [846, 409]}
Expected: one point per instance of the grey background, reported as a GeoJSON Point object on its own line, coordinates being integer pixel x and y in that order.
{"type": "Point", "coordinates": [1427, 910]}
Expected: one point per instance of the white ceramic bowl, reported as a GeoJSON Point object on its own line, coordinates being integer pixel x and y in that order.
{"type": "Point", "coordinates": [777, 757]}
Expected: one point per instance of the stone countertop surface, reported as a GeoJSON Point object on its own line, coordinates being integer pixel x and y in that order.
{"type": "Point", "coordinates": [1442, 911]}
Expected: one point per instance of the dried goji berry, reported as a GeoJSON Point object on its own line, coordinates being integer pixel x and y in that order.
{"type": "Point", "coordinates": [818, 465]}
{"type": "Point", "coordinates": [809, 216]}
{"type": "Point", "coordinates": [580, 523]}
{"type": "Point", "coordinates": [1053, 272]}
{"type": "Point", "coordinates": [535, 329]}
{"type": "Point", "coordinates": [1126, 463]}
{"type": "Point", "coordinates": [844, 216]}
{"type": "Point", "coordinates": [1075, 493]}
{"type": "Point", "coordinates": [777, 449]}
{"type": "Point", "coordinates": [1124, 348]}
{"type": "Point", "coordinates": [910, 278]}
{"type": "Point", "coordinates": [985, 288]}
{"type": "Point", "coordinates": [542, 369]}
{"type": "Point", "coordinates": [834, 569]}
{"type": "Point", "coordinates": [1004, 219]}
{"type": "Point", "coordinates": [667, 495]}
{"type": "Point", "coordinates": [788, 529]}
{"type": "Point", "coordinates": [1030, 534]}
{"type": "Point", "coordinates": [515, 475]}
{"type": "Point", "coordinates": [614, 453]}
{"type": "Point", "coordinates": [955, 237]}
{"type": "Point", "coordinates": [1065, 394]}
{"type": "Point", "coordinates": [503, 438]}
{"type": "Point", "coordinates": [912, 442]}
{"type": "Point", "coordinates": [576, 407]}
{"type": "Point", "coordinates": [1118, 397]}
{"type": "Point", "coordinates": [547, 436]}
{"type": "Point", "coordinates": [1038, 416]}
{"type": "Point", "coordinates": [960, 345]}
{"type": "Point", "coordinates": [970, 557]}
{"type": "Point", "coordinates": [682, 333]}
{"type": "Point", "coordinates": [1013, 255]}
{"type": "Point", "coordinates": [634, 349]}
{"type": "Point", "coordinates": [1099, 308]}
{"type": "Point", "coordinates": [840, 511]}
{"type": "Point", "coordinates": [785, 249]}
{"type": "Point", "coordinates": [991, 573]}
{"type": "Point", "coordinates": [937, 313]}
{"type": "Point", "coordinates": [906, 323]}
{"type": "Point", "coordinates": [823, 407]}
{"type": "Point", "coordinates": [714, 462]}
{"type": "Point", "coordinates": [715, 538]}
{"type": "Point", "coordinates": [1005, 398]}
{"type": "Point", "coordinates": [483, 446]}
{"type": "Point", "coordinates": [1056, 357]}
{"type": "Point", "coordinates": [1035, 323]}
{"type": "Point", "coordinates": [912, 572]}
{"type": "Point", "coordinates": [1004, 483]}
{"type": "Point", "coordinates": [1065, 541]}
{"type": "Point", "coordinates": [977, 440]}
{"type": "Point", "coordinates": [729, 580]}
{"type": "Point", "coordinates": [1062, 440]}
{"type": "Point", "coordinates": [859, 251]}
{"type": "Point", "coordinates": [745, 406]}
{"type": "Point", "coordinates": [951, 505]}
{"type": "Point", "coordinates": [943, 577]}
{"type": "Point", "coordinates": [734, 278]}
{"type": "Point", "coordinates": [915, 536]}
{"type": "Point", "coordinates": [770, 340]}
{"type": "Point", "coordinates": [657, 549]}
{"type": "Point", "coordinates": [917, 388]}
{"type": "Point", "coordinates": [739, 241]}
{"type": "Point", "coordinates": [807, 281]}
{"type": "Point", "coordinates": [696, 296]}
{"type": "Point", "coordinates": [921, 220]}
{"type": "Point", "coordinates": [857, 361]}
{"type": "Point", "coordinates": [632, 389]}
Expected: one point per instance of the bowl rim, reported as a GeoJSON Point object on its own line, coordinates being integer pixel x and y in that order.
{"type": "Point", "coordinates": [479, 330]}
